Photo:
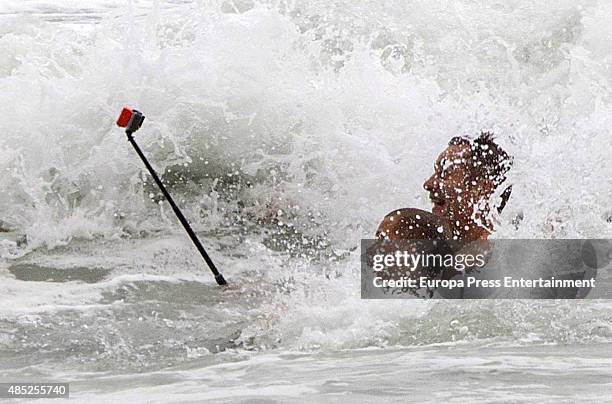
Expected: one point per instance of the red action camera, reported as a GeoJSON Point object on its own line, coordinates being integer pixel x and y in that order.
{"type": "Point", "coordinates": [130, 119]}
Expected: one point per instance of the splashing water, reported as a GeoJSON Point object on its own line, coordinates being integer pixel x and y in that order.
{"type": "Point", "coordinates": [286, 130]}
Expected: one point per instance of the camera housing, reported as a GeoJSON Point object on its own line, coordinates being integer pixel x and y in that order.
{"type": "Point", "coordinates": [130, 119]}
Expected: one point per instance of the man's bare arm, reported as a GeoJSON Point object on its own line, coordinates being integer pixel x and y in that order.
{"type": "Point", "coordinates": [413, 224]}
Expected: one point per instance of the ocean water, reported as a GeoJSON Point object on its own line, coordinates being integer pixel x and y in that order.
{"type": "Point", "coordinates": [286, 130]}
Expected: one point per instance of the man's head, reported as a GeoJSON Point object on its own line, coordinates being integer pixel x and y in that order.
{"type": "Point", "coordinates": [465, 176]}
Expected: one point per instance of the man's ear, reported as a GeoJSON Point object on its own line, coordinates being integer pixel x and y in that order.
{"type": "Point", "coordinates": [486, 188]}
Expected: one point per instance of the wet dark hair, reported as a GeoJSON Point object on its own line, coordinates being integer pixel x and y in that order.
{"type": "Point", "coordinates": [489, 160]}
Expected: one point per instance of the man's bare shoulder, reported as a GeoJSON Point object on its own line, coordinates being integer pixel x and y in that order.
{"type": "Point", "coordinates": [412, 223]}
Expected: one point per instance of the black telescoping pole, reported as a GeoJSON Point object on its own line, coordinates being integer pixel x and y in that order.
{"type": "Point", "coordinates": [218, 276]}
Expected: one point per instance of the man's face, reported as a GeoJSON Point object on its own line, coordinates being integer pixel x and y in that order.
{"type": "Point", "coordinates": [451, 189]}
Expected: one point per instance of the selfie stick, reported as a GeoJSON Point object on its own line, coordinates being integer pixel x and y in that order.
{"type": "Point", "coordinates": [131, 120]}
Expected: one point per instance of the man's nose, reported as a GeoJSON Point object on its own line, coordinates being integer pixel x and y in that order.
{"type": "Point", "coordinates": [429, 184]}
